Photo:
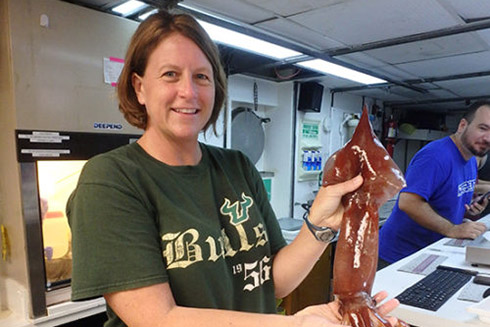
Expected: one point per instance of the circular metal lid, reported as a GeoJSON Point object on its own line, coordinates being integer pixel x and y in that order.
{"type": "Point", "coordinates": [247, 133]}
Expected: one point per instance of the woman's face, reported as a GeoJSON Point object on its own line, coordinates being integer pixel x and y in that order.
{"type": "Point", "coordinates": [177, 89]}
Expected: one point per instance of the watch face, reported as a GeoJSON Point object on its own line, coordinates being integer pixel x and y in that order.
{"type": "Point", "coordinates": [326, 235]}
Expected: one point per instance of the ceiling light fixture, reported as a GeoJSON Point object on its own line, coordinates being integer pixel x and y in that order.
{"type": "Point", "coordinates": [129, 7]}
{"type": "Point", "coordinates": [146, 14]}
{"type": "Point", "coordinates": [329, 68]}
{"type": "Point", "coordinates": [248, 43]}
{"type": "Point", "coordinates": [238, 40]}
{"type": "Point", "coordinates": [205, 13]}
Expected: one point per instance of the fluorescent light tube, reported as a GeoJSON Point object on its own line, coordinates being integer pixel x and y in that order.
{"type": "Point", "coordinates": [146, 14]}
{"type": "Point", "coordinates": [326, 67]}
{"type": "Point", "coordinates": [205, 12]}
{"type": "Point", "coordinates": [129, 7]}
{"type": "Point", "coordinates": [238, 40]}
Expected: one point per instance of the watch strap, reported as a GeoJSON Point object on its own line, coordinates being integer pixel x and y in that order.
{"type": "Point", "coordinates": [321, 233]}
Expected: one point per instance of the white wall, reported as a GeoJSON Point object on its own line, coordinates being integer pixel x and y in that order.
{"type": "Point", "coordinates": [275, 101]}
{"type": "Point", "coordinates": [278, 153]}
{"type": "Point", "coordinates": [59, 77]}
{"type": "Point", "coordinates": [332, 138]}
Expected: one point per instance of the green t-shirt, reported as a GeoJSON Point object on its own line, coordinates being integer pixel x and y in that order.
{"type": "Point", "coordinates": [208, 230]}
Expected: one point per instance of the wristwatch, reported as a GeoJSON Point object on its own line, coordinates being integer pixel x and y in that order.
{"type": "Point", "coordinates": [321, 233]}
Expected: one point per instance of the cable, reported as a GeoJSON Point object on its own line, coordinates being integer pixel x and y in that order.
{"type": "Point", "coordinates": [287, 76]}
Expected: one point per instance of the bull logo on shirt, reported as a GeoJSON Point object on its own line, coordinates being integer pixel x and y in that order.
{"type": "Point", "coordinates": [238, 211]}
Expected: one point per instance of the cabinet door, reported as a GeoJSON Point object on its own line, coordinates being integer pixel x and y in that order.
{"type": "Point", "coordinates": [315, 289]}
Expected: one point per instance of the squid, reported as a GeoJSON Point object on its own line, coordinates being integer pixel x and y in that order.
{"type": "Point", "coordinates": [356, 255]}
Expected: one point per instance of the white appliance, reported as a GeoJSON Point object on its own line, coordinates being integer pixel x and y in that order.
{"type": "Point", "coordinates": [478, 251]}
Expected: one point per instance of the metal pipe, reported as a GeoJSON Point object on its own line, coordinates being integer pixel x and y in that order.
{"type": "Point", "coordinates": [415, 81]}
{"type": "Point", "coordinates": [398, 104]}
{"type": "Point", "coordinates": [293, 147]}
{"type": "Point", "coordinates": [458, 29]}
{"type": "Point", "coordinates": [448, 77]}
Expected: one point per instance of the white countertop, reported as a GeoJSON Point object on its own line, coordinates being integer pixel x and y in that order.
{"type": "Point", "coordinates": [57, 314]}
{"type": "Point", "coordinates": [453, 313]}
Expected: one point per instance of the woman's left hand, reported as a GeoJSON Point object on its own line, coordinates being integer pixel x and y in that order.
{"type": "Point", "coordinates": [385, 308]}
{"type": "Point", "coordinates": [330, 311]}
{"type": "Point", "coordinates": [327, 209]}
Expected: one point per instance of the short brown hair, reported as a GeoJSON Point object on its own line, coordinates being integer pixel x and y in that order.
{"type": "Point", "coordinates": [471, 110]}
{"type": "Point", "coordinates": [149, 34]}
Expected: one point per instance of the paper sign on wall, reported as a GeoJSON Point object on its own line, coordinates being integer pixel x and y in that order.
{"type": "Point", "coordinates": [112, 69]}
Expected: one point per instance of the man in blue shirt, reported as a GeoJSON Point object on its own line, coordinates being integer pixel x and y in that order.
{"type": "Point", "coordinates": [440, 182]}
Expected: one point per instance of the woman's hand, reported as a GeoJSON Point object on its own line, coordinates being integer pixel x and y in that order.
{"type": "Point", "coordinates": [327, 209]}
{"type": "Point", "coordinates": [330, 314]}
{"type": "Point", "coordinates": [385, 308]}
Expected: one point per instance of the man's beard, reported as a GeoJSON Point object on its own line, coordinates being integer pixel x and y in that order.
{"type": "Point", "coordinates": [471, 148]}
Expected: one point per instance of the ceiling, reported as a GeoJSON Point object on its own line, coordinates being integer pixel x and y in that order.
{"type": "Point", "coordinates": [434, 53]}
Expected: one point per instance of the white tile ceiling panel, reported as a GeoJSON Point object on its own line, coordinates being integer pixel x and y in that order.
{"type": "Point", "coordinates": [394, 72]}
{"type": "Point", "coordinates": [428, 86]}
{"type": "Point", "coordinates": [360, 59]}
{"type": "Point", "coordinates": [462, 64]}
{"type": "Point", "coordinates": [469, 87]}
{"type": "Point", "coordinates": [293, 31]}
{"type": "Point", "coordinates": [437, 92]}
{"type": "Point", "coordinates": [375, 66]}
{"type": "Point", "coordinates": [102, 2]}
{"type": "Point", "coordinates": [485, 35]}
{"type": "Point", "coordinates": [427, 49]}
{"type": "Point", "coordinates": [383, 94]}
{"type": "Point", "coordinates": [358, 22]}
{"type": "Point", "coordinates": [469, 9]}
{"type": "Point", "coordinates": [292, 7]}
{"type": "Point", "coordinates": [443, 94]}
{"type": "Point", "coordinates": [331, 82]}
{"type": "Point", "coordinates": [409, 93]}
{"type": "Point", "coordinates": [234, 9]}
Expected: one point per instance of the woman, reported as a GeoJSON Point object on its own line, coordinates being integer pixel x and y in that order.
{"type": "Point", "coordinates": [177, 233]}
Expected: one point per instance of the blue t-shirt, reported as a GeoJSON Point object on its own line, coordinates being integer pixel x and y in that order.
{"type": "Point", "coordinates": [440, 175]}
